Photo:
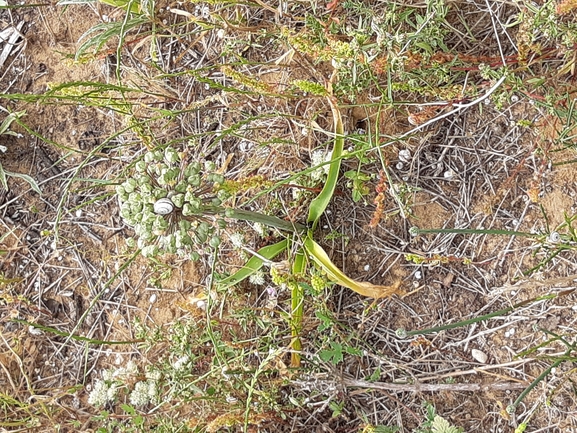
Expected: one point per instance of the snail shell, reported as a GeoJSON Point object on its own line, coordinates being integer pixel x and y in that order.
{"type": "Point", "coordinates": [163, 206]}
{"type": "Point", "coordinates": [554, 238]}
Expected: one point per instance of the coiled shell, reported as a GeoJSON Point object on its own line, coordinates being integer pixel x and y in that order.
{"type": "Point", "coordinates": [163, 206]}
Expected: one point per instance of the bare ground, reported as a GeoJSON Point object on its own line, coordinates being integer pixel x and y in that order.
{"type": "Point", "coordinates": [73, 272]}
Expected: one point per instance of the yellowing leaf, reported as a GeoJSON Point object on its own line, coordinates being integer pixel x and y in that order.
{"type": "Point", "coordinates": [364, 288]}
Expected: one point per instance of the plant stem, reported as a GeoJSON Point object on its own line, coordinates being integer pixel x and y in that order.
{"type": "Point", "coordinates": [418, 231]}
{"type": "Point", "coordinates": [533, 384]}
{"type": "Point", "coordinates": [272, 221]}
{"type": "Point", "coordinates": [484, 317]}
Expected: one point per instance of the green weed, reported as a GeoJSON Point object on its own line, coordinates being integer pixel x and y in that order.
{"type": "Point", "coordinates": [5, 130]}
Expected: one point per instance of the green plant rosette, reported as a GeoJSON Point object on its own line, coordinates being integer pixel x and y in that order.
{"type": "Point", "coordinates": [174, 206]}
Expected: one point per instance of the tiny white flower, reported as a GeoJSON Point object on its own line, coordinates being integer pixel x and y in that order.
{"type": "Point", "coordinates": [257, 278]}
{"type": "Point", "coordinates": [180, 363]}
{"type": "Point", "coordinates": [131, 367]}
{"type": "Point", "coordinates": [260, 229]}
{"type": "Point", "coordinates": [139, 396]}
{"type": "Point", "coordinates": [153, 374]}
{"type": "Point", "coordinates": [237, 240]}
{"type": "Point", "coordinates": [99, 394]}
{"type": "Point", "coordinates": [297, 192]}
{"type": "Point", "coordinates": [152, 391]}
{"type": "Point", "coordinates": [319, 157]}
{"type": "Point", "coordinates": [111, 392]}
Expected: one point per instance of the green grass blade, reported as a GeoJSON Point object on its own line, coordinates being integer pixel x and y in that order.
{"type": "Point", "coordinates": [3, 180]}
{"type": "Point", "coordinates": [404, 334]}
{"type": "Point", "coordinates": [255, 263]}
{"type": "Point", "coordinates": [268, 220]}
{"type": "Point", "coordinates": [75, 337]}
{"type": "Point", "coordinates": [95, 37]}
{"type": "Point", "coordinates": [25, 177]}
{"type": "Point", "coordinates": [320, 203]}
{"type": "Point", "coordinates": [126, 5]}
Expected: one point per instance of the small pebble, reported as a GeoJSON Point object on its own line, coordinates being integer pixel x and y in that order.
{"type": "Point", "coordinates": [152, 299]}
{"type": "Point", "coordinates": [479, 356]}
{"type": "Point", "coordinates": [405, 155]}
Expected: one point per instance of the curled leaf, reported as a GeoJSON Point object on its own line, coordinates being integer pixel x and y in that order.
{"type": "Point", "coordinates": [364, 288]}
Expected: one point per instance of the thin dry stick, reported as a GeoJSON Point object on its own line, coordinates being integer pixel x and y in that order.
{"type": "Point", "coordinates": [458, 108]}
{"type": "Point", "coordinates": [476, 370]}
{"type": "Point", "coordinates": [436, 387]}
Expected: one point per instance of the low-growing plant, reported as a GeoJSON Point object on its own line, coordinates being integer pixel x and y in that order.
{"type": "Point", "coordinates": [5, 130]}
{"type": "Point", "coordinates": [179, 206]}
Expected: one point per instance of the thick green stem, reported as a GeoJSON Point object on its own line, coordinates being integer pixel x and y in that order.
{"type": "Point", "coordinates": [271, 221]}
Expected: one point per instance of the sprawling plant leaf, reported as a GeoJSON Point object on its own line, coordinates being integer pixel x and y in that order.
{"type": "Point", "coordinates": [321, 258]}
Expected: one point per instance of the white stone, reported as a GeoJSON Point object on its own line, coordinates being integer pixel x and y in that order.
{"type": "Point", "coordinates": [405, 155]}
{"type": "Point", "coordinates": [479, 356]}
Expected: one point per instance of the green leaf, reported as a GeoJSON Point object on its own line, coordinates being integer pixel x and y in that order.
{"type": "Point", "coordinates": [95, 37]}
{"type": "Point", "coordinates": [25, 177]}
{"type": "Point", "coordinates": [326, 321]}
{"type": "Point", "coordinates": [3, 178]}
{"type": "Point", "coordinates": [321, 258]}
{"type": "Point", "coordinates": [128, 409]}
{"type": "Point", "coordinates": [441, 425]}
{"type": "Point", "coordinates": [334, 355]}
{"type": "Point", "coordinates": [8, 121]}
{"type": "Point", "coordinates": [133, 6]}
{"type": "Point", "coordinates": [353, 351]}
{"type": "Point", "coordinates": [255, 263]}
{"type": "Point", "coordinates": [320, 203]}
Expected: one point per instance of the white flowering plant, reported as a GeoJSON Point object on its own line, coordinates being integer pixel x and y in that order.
{"type": "Point", "coordinates": [177, 207]}
{"type": "Point", "coordinates": [168, 202]}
